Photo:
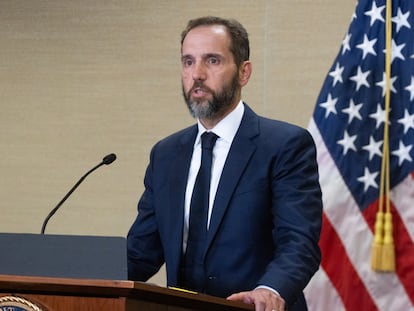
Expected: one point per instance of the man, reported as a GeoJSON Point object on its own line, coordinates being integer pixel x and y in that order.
{"type": "Point", "coordinates": [264, 204]}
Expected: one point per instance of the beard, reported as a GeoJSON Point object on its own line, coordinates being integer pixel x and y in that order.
{"type": "Point", "coordinates": [209, 109]}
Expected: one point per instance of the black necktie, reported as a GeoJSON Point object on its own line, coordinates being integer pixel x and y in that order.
{"type": "Point", "coordinates": [201, 193]}
{"type": "Point", "coordinates": [197, 230]}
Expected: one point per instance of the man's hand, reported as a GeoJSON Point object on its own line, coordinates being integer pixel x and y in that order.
{"type": "Point", "coordinates": [262, 298]}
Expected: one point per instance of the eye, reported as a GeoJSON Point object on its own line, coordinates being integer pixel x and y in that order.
{"type": "Point", "coordinates": [213, 60]}
{"type": "Point", "coordinates": [187, 62]}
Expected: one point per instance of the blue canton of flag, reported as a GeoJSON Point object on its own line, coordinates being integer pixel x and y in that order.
{"type": "Point", "coordinates": [350, 112]}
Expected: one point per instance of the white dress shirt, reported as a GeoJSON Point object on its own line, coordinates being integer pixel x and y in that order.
{"type": "Point", "coordinates": [226, 130]}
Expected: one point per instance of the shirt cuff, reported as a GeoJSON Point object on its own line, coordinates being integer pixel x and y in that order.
{"type": "Point", "coordinates": [269, 288]}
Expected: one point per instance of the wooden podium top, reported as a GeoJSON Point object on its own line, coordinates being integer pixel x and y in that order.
{"type": "Point", "coordinates": [113, 289]}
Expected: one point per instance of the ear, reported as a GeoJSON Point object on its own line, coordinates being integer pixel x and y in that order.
{"type": "Point", "coordinates": [245, 72]}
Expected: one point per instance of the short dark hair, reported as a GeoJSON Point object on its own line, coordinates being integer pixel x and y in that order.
{"type": "Point", "coordinates": [239, 38]}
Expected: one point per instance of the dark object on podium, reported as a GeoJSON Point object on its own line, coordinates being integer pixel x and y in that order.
{"type": "Point", "coordinates": [65, 256]}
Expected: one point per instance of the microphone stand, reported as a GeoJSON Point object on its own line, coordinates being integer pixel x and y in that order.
{"type": "Point", "coordinates": [106, 160]}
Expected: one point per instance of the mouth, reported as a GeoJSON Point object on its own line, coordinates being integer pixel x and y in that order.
{"type": "Point", "coordinates": [199, 92]}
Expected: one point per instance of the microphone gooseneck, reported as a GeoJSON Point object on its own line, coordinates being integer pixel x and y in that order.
{"type": "Point", "coordinates": [108, 159]}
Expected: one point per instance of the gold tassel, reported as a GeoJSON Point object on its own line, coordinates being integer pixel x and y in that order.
{"type": "Point", "coordinates": [377, 249]}
{"type": "Point", "coordinates": [388, 252]}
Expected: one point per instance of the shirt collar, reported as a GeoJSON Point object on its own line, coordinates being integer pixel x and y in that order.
{"type": "Point", "coordinates": [226, 129]}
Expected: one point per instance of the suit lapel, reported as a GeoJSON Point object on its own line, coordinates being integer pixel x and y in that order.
{"type": "Point", "coordinates": [238, 158]}
{"type": "Point", "coordinates": [177, 186]}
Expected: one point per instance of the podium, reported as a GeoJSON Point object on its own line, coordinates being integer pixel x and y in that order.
{"type": "Point", "coordinates": [84, 273]}
{"type": "Point", "coordinates": [67, 294]}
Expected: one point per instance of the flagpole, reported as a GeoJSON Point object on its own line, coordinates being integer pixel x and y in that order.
{"type": "Point", "coordinates": [388, 255]}
{"type": "Point", "coordinates": [383, 254]}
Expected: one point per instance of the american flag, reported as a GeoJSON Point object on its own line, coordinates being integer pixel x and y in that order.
{"type": "Point", "coordinates": [348, 128]}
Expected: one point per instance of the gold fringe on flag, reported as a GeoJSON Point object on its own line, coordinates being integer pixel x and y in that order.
{"type": "Point", "coordinates": [383, 252]}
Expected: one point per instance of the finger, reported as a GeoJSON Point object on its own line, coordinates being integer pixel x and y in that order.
{"type": "Point", "coordinates": [243, 297]}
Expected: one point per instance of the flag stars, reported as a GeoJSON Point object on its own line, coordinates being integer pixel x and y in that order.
{"type": "Point", "coordinates": [336, 74]}
{"type": "Point", "coordinates": [396, 51]}
{"type": "Point", "coordinates": [368, 179]}
{"type": "Point", "coordinates": [373, 148]}
{"type": "Point", "coordinates": [401, 20]}
{"type": "Point", "coordinates": [407, 121]}
{"type": "Point", "coordinates": [375, 13]}
{"type": "Point", "coordinates": [379, 116]}
{"type": "Point", "coordinates": [353, 111]}
{"type": "Point", "coordinates": [345, 43]}
{"type": "Point", "coordinates": [403, 153]}
{"type": "Point", "coordinates": [410, 88]}
{"type": "Point", "coordinates": [383, 83]}
{"type": "Point", "coordinates": [360, 78]}
{"type": "Point", "coordinates": [347, 142]}
{"type": "Point", "coordinates": [367, 47]}
{"type": "Point", "coordinates": [329, 105]}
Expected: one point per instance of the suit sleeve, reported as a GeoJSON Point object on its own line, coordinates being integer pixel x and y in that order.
{"type": "Point", "coordinates": [297, 214]}
{"type": "Point", "coordinates": [144, 250]}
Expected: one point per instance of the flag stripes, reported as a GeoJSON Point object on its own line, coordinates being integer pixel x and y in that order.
{"type": "Point", "coordinates": [346, 280]}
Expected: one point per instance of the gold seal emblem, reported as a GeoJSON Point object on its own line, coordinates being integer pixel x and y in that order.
{"type": "Point", "coordinates": [15, 303]}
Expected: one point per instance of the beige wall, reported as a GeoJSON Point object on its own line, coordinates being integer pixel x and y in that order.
{"type": "Point", "coordinates": [80, 79]}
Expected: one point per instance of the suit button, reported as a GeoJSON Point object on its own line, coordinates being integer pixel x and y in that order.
{"type": "Point", "coordinates": [212, 278]}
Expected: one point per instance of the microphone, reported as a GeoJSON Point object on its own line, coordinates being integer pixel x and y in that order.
{"type": "Point", "coordinates": [108, 159]}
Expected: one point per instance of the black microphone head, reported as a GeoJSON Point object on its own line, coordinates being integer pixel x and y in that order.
{"type": "Point", "coordinates": [108, 159]}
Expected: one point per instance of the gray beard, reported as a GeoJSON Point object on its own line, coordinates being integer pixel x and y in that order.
{"type": "Point", "coordinates": [209, 109]}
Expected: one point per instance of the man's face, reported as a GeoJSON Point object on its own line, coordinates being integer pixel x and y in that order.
{"type": "Point", "coordinates": [209, 75]}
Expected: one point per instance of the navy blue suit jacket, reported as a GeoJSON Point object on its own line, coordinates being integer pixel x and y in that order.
{"type": "Point", "coordinates": [266, 217]}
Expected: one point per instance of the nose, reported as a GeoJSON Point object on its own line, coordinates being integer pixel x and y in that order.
{"type": "Point", "coordinates": [199, 71]}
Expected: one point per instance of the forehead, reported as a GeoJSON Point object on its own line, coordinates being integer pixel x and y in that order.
{"type": "Point", "coordinates": [207, 39]}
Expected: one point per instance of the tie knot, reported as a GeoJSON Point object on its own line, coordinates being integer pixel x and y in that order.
{"type": "Point", "coordinates": [208, 139]}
